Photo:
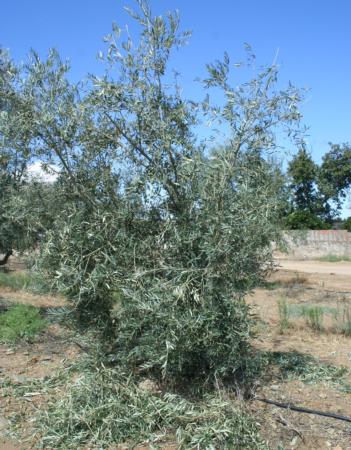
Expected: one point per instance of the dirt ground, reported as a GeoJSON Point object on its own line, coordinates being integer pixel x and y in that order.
{"type": "Point", "coordinates": [340, 268]}
{"type": "Point", "coordinates": [299, 283]}
{"type": "Point", "coordinates": [305, 283]}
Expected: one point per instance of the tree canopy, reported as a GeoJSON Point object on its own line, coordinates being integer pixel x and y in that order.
{"type": "Point", "coordinates": [176, 229]}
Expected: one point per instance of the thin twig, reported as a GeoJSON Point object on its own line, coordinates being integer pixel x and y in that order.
{"type": "Point", "coordinates": [287, 424]}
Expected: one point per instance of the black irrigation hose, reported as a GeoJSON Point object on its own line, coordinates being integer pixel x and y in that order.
{"type": "Point", "coordinates": [304, 410]}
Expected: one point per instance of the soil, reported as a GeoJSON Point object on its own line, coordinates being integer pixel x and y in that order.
{"type": "Point", "coordinates": [299, 283]}
{"type": "Point", "coordinates": [305, 283]}
{"type": "Point", "coordinates": [340, 268]}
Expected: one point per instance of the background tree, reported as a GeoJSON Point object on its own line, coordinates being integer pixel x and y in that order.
{"type": "Point", "coordinates": [335, 173]}
{"type": "Point", "coordinates": [28, 205]}
{"type": "Point", "coordinates": [303, 172]}
{"type": "Point", "coordinates": [15, 138]}
{"type": "Point", "coordinates": [309, 206]}
{"type": "Point", "coordinates": [317, 192]}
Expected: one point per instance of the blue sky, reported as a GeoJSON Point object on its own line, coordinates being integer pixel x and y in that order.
{"type": "Point", "coordinates": [313, 38]}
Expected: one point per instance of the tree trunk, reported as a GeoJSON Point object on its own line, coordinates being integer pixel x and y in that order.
{"type": "Point", "coordinates": [4, 260]}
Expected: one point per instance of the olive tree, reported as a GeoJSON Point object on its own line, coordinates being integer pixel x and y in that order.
{"type": "Point", "coordinates": [169, 233]}
{"type": "Point", "coordinates": [15, 138]}
{"type": "Point", "coordinates": [28, 205]}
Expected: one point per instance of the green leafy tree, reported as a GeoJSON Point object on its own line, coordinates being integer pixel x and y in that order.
{"type": "Point", "coordinates": [317, 192]}
{"type": "Point", "coordinates": [28, 206]}
{"type": "Point", "coordinates": [304, 220]}
{"type": "Point", "coordinates": [15, 137]}
{"type": "Point", "coordinates": [335, 173]}
{"type": "Point", "coordinates": [174, 231]}
{"type": "Point", "coordinates": [179, 232]}
{"type": "Point", "coordinates": [309, 206]}
{"type": "Point", "coordinates": [303, 172]}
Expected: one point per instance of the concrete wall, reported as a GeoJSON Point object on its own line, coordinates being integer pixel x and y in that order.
{"type": "Point", "coordinates": [312, 244]}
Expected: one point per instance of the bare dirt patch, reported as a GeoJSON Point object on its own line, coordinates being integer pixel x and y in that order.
{"type": "Point", "coordinates": [292, 430]}
{"type": "Point", "coordinates": [38, 359]}
{"type": "Point", "coordinates": [287, 428]}
{"type": "Point", "coordinates": [30, 362]}
{"type": "Point", "coordinates": [339, 268]}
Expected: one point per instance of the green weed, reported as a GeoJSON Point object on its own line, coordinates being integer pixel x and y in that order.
{"type": "Point", "coordinates": [26, 281]}
{"type": "Point", "coordinates": [21, 321]}
{"type": "Point", "coordinates": [293, 282]}
{"type": "Point", "coordinates": [334, 258]}
{"type": "Point", "coordinates": [284, 315]}
{"type": "Point", "coordinates": [342, 319]}
{"type": "Point", "coordinates": [271, 285]}
{"type": "Point", "coordinates": [313, 316]}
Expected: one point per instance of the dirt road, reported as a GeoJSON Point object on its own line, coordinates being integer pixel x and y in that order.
{"type": "Point", "coordinates": [337, 268]}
